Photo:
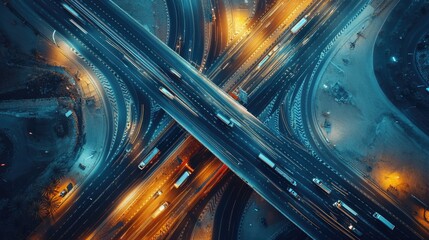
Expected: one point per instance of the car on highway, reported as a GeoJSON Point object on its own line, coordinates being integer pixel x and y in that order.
{"type": "Point", "coordinates": [293, 193]}
{"type": "Point", "coordinates": [166, 93]}
{"type": "Point", "coordinates": [355, 230]}
{"type": "Point", "coordinates": [160, 209]}
{"type": "Point", "coordinates": [129, 148]}
{"type": "Point", "coordinates": [157, 194]}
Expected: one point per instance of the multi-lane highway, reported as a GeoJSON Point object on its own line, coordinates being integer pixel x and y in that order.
{"type": "Point", "coordinates": [195, 104]}
{"type": "Point", "coordinates": [186, 36]}
{"type": "Point", "coordinates": [191, 121]}
{"type": "Point", "coordinates": [277, 148]}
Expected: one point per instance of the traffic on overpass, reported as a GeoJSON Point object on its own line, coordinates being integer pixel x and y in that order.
{"type": "Point", "coordinates": [213, 120]}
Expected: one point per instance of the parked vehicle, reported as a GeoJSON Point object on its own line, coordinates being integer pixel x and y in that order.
{"type": "Point", "coordinates": [355, 230]}
{"type": "Point", "coordinates": [64, 192]}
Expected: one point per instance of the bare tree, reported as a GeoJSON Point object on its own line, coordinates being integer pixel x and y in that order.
{"type": "Point", "coordinates": [48, 205]}
{"type": "Point", "coordinates": [58, 171]}
{"type": "Point", "coordinates": [51, 189]}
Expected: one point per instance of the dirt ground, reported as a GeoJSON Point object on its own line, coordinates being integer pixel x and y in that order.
{"type": "Point", "coordinates": [369, 133]}
{"type": "Point", "coordinates": [37, 139]}
{"type": "Point", "coordinates": [261, 221]}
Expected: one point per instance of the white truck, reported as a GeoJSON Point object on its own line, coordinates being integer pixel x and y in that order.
{"type": "Point", "coordinates": [299, 25]}
{"type": "Point", "coordinates": [148, 158]}
{"type": "Point", "coordinates": [225, 120]}
{"type": "Point", "coordinates": [272, 165]}
{"type": "Point", "coordinates": [266, 160]}
{"type": "Point", "coordinates": [322, 185]}
{"type": "Point", "coordinates": [342, 206]}
{"type": "Point", "coordinates": [70, 10]}
{"type": "Point", "coordinates": [262, 61]}
{"type": "Point", "coordinates": [166, 93]}
{"type": "Point", "coordinates": [286, 176]}
{"type": "Point", "coordinates": [383, 220]}
{"type": "Point", "coordinates": [176, 73]}
{"type": "Point", "coordinates": [182, 179]}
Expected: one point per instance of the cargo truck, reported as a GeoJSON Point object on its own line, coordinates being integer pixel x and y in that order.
{"type": "Point", "coordinates": [342, 206]}
{"type": "Point", "coordinates": [322, 185]}
{"type": "Point", "coordinates": [148, 158]}
{"type": "Point", "coordinates": [225, 120]}
{"type": "Point", "coordinates": [272, 165]}
{"type": "Point", "coordinates": [383, 220]}
{"type": "Point", "coordinates": [182, 179]}
{"type": "Point", "coordinates": [299, 25]}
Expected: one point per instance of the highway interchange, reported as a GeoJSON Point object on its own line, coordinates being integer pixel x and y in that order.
{"type": "Point", "coordinates": [111, 36]}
